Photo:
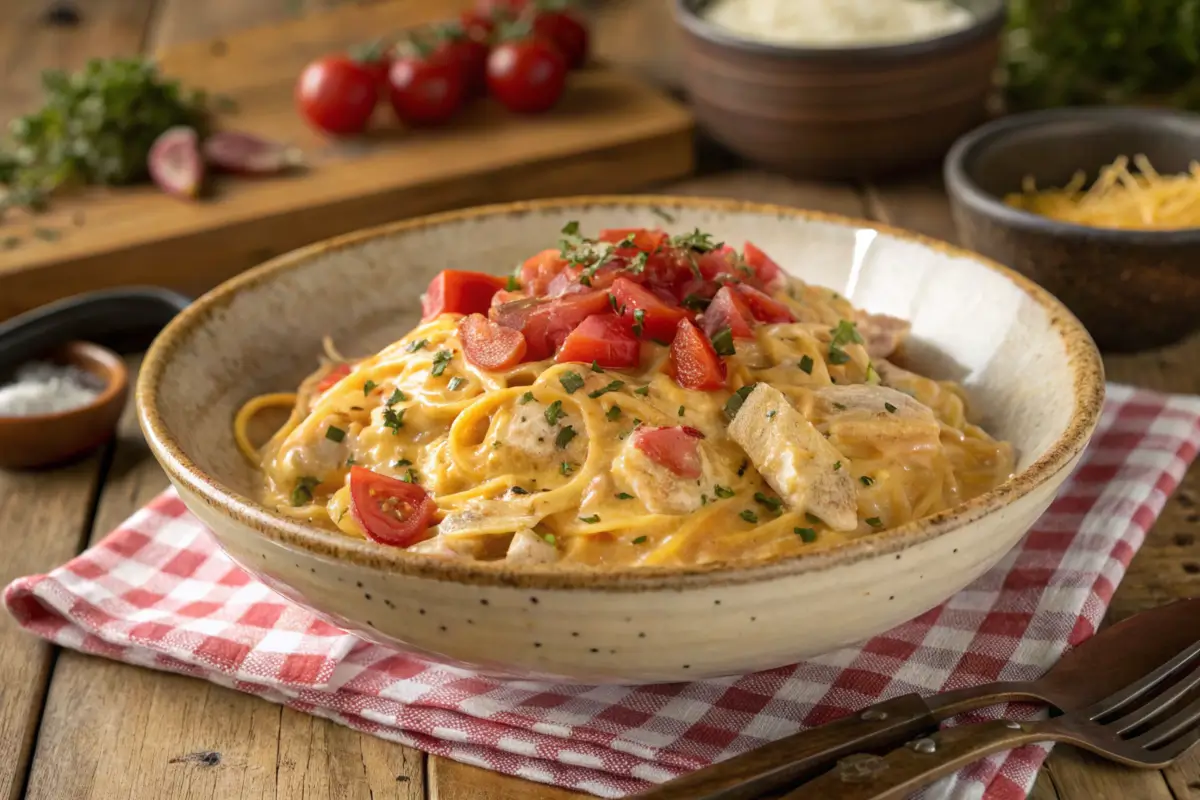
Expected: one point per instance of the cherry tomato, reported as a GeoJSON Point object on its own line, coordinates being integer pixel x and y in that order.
{"type": "Point", "coordinates": [603, 339]}
{"type": "Point", "coordinates": [479, 26]}
{"type": "Point", "coordinates": [728, 310]}
{"type": "Point", "coordinates": [390, 512]}
{"type": "Point", "coordinates": [426, 91]}
{"type": "Point", "coordinates": [332, 377]}
{"type": "Point", "coordinates": [764, 307]}
{"type": "Point", "coordinates": [527, 76]}
{"type": "Point", "coordinates": [677, 449]}
{"type": "Point", "coordinates": [566, 32]}
{"type": "Point", "coordinates": [658, 319]}
{"type": "Point", "coordinates": [470, 53]}
{"type": "Point", "coordinates": [546, 323]}
{"type": "Point", "coordinates": [767, 271]}
{"type": "Point", "coordinates": [453, 291]}
{"type": "Point", "coordinates": [489, 345]}
{"type": "Point", "coordinates": [337, 95]}
{"type": "Point", "coordinates": [694, 362]}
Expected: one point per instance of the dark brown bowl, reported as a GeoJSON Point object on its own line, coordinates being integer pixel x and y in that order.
{"type": "Point", "coordinates": [1132, 289]}
{"type": "Point", "coordinates": [45, 439]}
{"type": "Point", "coordinates": [840, 112]}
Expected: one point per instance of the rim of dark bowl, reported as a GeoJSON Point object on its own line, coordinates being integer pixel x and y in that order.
{"type": "Point", "coordinates": [987, 24]}
{"type": "Point", "coordinates": [963, 187]}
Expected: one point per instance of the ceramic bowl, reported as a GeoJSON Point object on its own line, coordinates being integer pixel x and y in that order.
{"type": "Point", "coordinates": [1031, 370]}
{"type": "Point", "coordinates": [44, 439]}
{"type": "Point", "coordinates": [1132, 289]}
{"type": "Point", "coordinates": [840, 112]}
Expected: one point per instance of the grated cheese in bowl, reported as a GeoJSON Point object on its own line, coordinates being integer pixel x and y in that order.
{"type": "Point", "coordinates": [838, 23]}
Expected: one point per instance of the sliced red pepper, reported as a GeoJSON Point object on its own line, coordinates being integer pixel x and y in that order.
{"type": "Point", "coordinates": [332, 377]}
{"type": "Point", "coordinates": [764, 307]}
{"type": "Point", "coordinates": [677, 449]}
{"type": "Point", "coordinates": [765, 269]}
{"type": "Point", "coordinates": [390, 512]}
{"type": "Point", "coordinates": [603, 339]}
{"type": "Point", "coordinates": [546, 323]}
{"type": "Point", "coordinates": [457, 292]}
{"type": "Point", "coordinates": [644, 239]}
{"type": "Point", "coordinates": [694, 362]}
{"type": "Point", "coordinates": [729, 310]}
{"type": "Point", "coordinates": [539, 270]}
{"type": "Point", "coordinates": [658, 319]}
{"type": "Point", "coordinates": [489, 345]}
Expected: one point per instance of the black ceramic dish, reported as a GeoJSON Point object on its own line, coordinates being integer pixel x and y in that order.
{"type": "Point", "coordinates": [1132, 289]}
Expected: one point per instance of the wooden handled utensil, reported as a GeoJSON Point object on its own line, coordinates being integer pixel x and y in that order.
{"type": "Point", "coordinates": [1149, 723]}
{"type": "Point", "coordinates": [1114, 658]}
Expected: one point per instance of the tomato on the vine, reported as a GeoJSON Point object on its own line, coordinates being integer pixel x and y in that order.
{"type": "Point", "coordinates": [470, 52]}
{"type": "Point", "coordinates": [566, 32]}
{"type": "Point", "coordinates": [337, 95]}
{"type": "Point", "coordinates": [527, 75]}
{"type": "Point", "coordinates": [426, 90]}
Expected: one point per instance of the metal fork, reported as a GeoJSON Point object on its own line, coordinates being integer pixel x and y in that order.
{"type": "Point", "coordinates": [1147, 724]}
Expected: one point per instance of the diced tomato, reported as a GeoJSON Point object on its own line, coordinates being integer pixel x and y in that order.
{"type": "Point", "coordinates": [694, 362]}
{"type": "Point", "coordinates": [659, 319]}
{"type": "Point", "coordinates": [721, 261]}
{"type": "Point", "coordinates": [333, 376]}
{"type": "Point", "coordinates": [677, 449]}
{"type": "Point", "coordinates": [504, 296]}
{"type": "Point", "coordinates": [539, 270]}
{"type": "Point", "coordinates": [546, 323]}
{"type": "Point", "coordinates": [764, 307]}
{"type": "Point", "coordinates": [766, 270]}
{"type": "Point", "coordinates": [568, 281]}
{"type": "Point", "coordinates": [729, 310]}
{"type": "Point", "coordinates": [604, 339]}
{"type": "Point", "coordinates": [489, 345]}
{"type": "Point", "coordinates": [390, 512]}
{"type": "Point", "coordinates": [643, 239]}
{"type": "Point", "coordinates": [457, 292]}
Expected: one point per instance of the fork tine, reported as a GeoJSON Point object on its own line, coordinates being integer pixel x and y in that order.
{"type": "Point", "coordinates": [1135, 691]}
{"type": "Point", "coordinates": [1140, 715]}
{"type": "Point", "coordinates": [1176, 748]}
{"type": "Point", "coordinates": [1169, 728]}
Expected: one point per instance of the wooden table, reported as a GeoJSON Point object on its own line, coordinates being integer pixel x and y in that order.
{"type": "Point", "coordinates": [73, 726]}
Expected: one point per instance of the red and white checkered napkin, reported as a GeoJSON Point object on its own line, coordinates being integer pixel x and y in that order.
{"type": "Point", "coordinates": [158, 592]}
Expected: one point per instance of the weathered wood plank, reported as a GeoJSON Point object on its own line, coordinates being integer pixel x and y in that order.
{"type": "Point", "coordinates": [111, 730]}
{"type": "Point", "coordinates": [1043, 788]}
{"type": "Point", "coordinates": [450, 780]}
{"type": "Point", "coordinates": [1082, 776]}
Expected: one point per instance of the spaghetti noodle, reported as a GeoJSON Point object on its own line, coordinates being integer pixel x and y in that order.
{"type": "Point", "coordinates": [520, 435]}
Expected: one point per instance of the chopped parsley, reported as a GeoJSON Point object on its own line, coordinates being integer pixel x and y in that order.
{"type": "Point", "coordinates": [806, 365]}
{"type": "Point", "coordinates": [596, 366]}
{"type": "Point", "coordinates": [874, 522]}
{"type": "Point", "coordinates": [571, 228]}
{"type": "Point", "coordinates": [611, 387]}
{"type": "Point", "coordinates": [334, 434]}
{"type": "Point", "coordinates": [565, 468]}
{"type": "Point", "coordinates": [639, 321]}
{"type": "Point", "coordinates": [302, 494]}
{"type": "Point", "coordinates": [809, 535]}
{"type": "Point", "coordinates": [554, 412]}
{"type": "Point", "coordinates": [837, 465]}
{"type": "Point", "coordinates": [724, 492]}
{"type": "Point", "coordinates": [696, 240]}
{"type": "Point", "coordinates": [350, 462]}
{"type": "Point", "coordinates": [525, 398]}
{"type": "Point", "coordinates": [644, 391]}
{"type": "Point", "coordinates": [410, 476]}
{"type": "Point", "coordinates": [696, 303]}
{"type": "Point", "coordinates": [592, 520]}
{"type": "Point", "coordinates": [681, 410]}
{"type": "Point", "coordinates": [734, 403]}
{"type": "Point", "coordinates": [397, 396]}
{"type": "Point", "coordinates": [891, 409]}
{"type": "Point", "coordinates": [612, 301]}
{"type": "Point", "coordinates": [564, 437]}
{"type": "Point", "coordinates": [369, 387]}
{"type": "Point", "coordinates": [722, 342]}
{"type": "Point", "coordinates": [658, 212]}
{"type": "Point", "coordinates": [773, 503]}
{"type": "Point", "coordinates": [771, 414]}
{"type": "Point", "coordinates": [840, 406]}
{"type": "Point", "coordinates": [441, 360]}
{"type": "Point", "coordinates": [624, 496]}
{"type": "Point", "coordinates": [638, 264]}
{"type": "Point", "coordinates": [571, 382]}
{"type": "Point", "coordinates": [404, 462]}
{"type": "Point", "coordinates": [613, 413]}
{"type": "Point", "coordinates": [866, 480]}
{"type": "Point", "coordinates": [456, 383]}
{"type": "Point", "coordinates": [512, 285]}
{"type": "Point", "coordinates": [419, 344]}
{"type": "Point", "coordinates": [393, 419]}
{"type": "Point", "coordinates": [845, 333]}
{"type": "Point", "coordinates": [549, 537]}
{"type": "Point", "coordinates": [640, 540]}
{"type": "Point", "coordinates": [519, 490]}
{"type": "Point", "coordinates": [749, 516]}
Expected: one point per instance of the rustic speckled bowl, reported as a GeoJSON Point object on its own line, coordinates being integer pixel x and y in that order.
{"type": "Point", "coordinates": [1033, 374]}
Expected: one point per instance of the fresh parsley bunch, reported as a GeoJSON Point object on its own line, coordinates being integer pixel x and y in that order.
{"type": "Point", "coordinates": [96, 127]}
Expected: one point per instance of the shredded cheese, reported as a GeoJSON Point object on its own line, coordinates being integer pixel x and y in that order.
{"type": "Point", "coordinates": [825, 23]}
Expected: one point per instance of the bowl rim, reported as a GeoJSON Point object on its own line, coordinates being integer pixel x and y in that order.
{"type": "Point", "coordinates": [963, 187]}
{"type": "Point", "coordinates": [984, 26]}
{"type": "Point", "coordinates": [1081, 356]}
{"type": "Point", "coordinates": [116, 381]}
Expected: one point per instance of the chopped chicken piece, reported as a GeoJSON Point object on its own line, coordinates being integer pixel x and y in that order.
{"type": "Point", "coordinates": [483, 516]}
{"type": "Point", "coordinates": [450, 548]}
{"type": "Point", "coordinates": [883, 334]}
{"type": "Point", "coordinates": [528, 432]}
{"type": "Point", "coordinates": [876, 414]}
{"type": "Point", "coordinates": [794, 458]}
{"type": "Point", "coordinates": [659, 489]}
{"type": "Point", "coordinates": [529, 548]}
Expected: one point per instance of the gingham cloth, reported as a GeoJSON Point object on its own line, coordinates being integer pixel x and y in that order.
{"type": "Point", "coordinates": [158, 592]}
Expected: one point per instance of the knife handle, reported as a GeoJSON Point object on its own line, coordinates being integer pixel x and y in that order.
{"type": "Point", "coordinates": [917, 764]}
{"type": "Point", "coordinates": [881, 727]}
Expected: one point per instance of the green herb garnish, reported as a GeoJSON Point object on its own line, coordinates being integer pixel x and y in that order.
{"type": "Point", "coordinates": [565, 468]}
{"type": "Point", "coordinates": [525, 398]}
{"type": "Point", "coordinates": [806, 365]}
{"type": "Point", "coordinates": [640, 540]}
{"type": "Point", "coordinates": [734, 403]}
{"type": "Point", "coordinates": [624, 496]}
{"type": "Point", "coordinates": [611, 387]}
{"type": "Point", "coordinates": [722, 342]}
{"type": "Point", "coordinates": [639, 321]}
{"type": "Point", "coordinates": [571, 382]}
{"type": "Point", "coordinates": [302, 493]}
{"type": "Point", "coordinates": [419, 344]}
{"type": "Point", "coordinates": [845, 333]}
{"type": "Point", "coordinates": [519, 490]}
{"type": "Point", "coordinates": [643, 391]}
{"type": "Point", "coordinates": [564, 437]}
{"type": "Point", "coordinates": [456, 383]}
{"type": "Point", "coordinates": [592, 520]}
{"type": "Point", "coordinates": [596, 366]}
{"type": "Point", "coordinates": [874, 522]}
{"type": "Point", "coordinates": [397, 396]}
{"type": "Point", "coordinates": [393, 419]}
{"type": "Point", "coordinates": [554, 412]}
{"type": "Point", "coordinates": [891, 409]}
{"type": "Point", "coordinates": [613, 413]}
{"type": "Point", "coordinates": [773, 503]}
{"type": "Point", "coordinates": [369, 387]}
{"type": "Point", "coordinates": [410, 476]}
{"type": "Point", "coordinates": [749, 516]}
{"type": "Point", "coordinates": [724, 492]}
{"type": "Point", "coordinates": [334, 434]}
{"type": "Point", "coordinates": [809, 535]}
{"type": "Point", "coordinates": [441, 359]}
{"type": "Point", "coordinates": [866, 480]}
{"type": "Point", "coordinates": [404, 462]}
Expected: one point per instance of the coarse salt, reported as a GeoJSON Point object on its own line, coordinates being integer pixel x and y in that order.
{"type": "Point", "coordinates": [831, 23]}
{"type": "Point", "coordinates": [40, 387]}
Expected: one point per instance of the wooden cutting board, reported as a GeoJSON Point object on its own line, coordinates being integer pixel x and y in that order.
{"type": "Point", "coordinates": [611, 133]}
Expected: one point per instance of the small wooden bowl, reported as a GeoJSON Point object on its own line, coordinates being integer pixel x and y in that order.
{"type": "Point", "coordinates": [1132, 289]}
{"type": "Point", "coordinates": [840, 112]}
{"type": "Point", "coordinates": [45, 439]}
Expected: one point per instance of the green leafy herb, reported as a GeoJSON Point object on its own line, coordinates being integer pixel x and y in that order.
{"type": "Point", "coordinates": [519, 490]}
{"type": "Point", "coordinates": [640, 540]}
{"type": "Point", "coordinates": [613, 413]}
{"type": "Point", "coordinates": [441, 359]}
{"type": "Point", "coordinates": [891, 409]}
{"type": "Point", "coordinates": [549, 537]}
{"type": "Point", "coordinates": [874, 522]}
{"type": "Point", "coordinates": [696, 240]}
{"type": "Point", "coordinates": [571, 382]}
{"type": "Point", "coordinates": [845, 333]}
{"type": "Point", "coordinates": [612, 301]}
{"type": "Point", "coordinates": [302, 492]}
{"type": "Point", "coordinates": [393, 419]}
{"type": "Point", "coordinates": [722, 342]}
{"type": "Point", "coordinates": [624, 496]}
{"type": "Point", "coordinates": [637, 264]}
{"type": "Point", "coordinates": [696, 303]}
{"type": "Point", "coordinates": [749, 516]}
{"type": "Point", "coordinates": [639, 321]}
{"type": "Point", "coordinates": [397, 396]}
{"type": "Point", "coordinates": [837, 465]}
{"type": "Point", "coordinates": [681, 410]}
{"type": "Point", "coordinates": [419, 344]}
{"type": "Point", "coordinates": [410, 476]}
{"type": "Point", "coordinates": [592, 520]}
{"type": "Point", "coordinates": [611, 387]}
{"type": "Point", "coordinates": [404, 462]}
{"type": "Point", "coordinates": [866, 480]}
{"type": "Point", "coordinates": [512, 285]}
{"type": "Point", "coordinates": [773, 503]}
{"type": "Point", "coordinates": [554, 412]}
{"type": "Point", "coordinates": [334, 434]}
{"type": "Point", "coordinates": [351, 461]}
{"type": "Point", "coordinates": [369, 387]}
{"type": "Point", "coordinates": [596, 366]}
{"type": "Point", "coordinates": [809, 535]}
{"type": "Point", "coordinates": [771, 414]}
{"type": "Point", "coordinates": [806, 365]}
{"type": "Point", "coordinates": [734, 403]}
{"type": "Point", "coordinates": [840, 406]}
{"type": "Point", "coordinates": [525, 398]}
{"type": "Point", "coordinates": [565, 468]}
{"type": "Point", "coordinates": [643, 391]}
{"type": "Point", "coordinates": [724, 492]}
{"type": "Point", "coordinates": [456, 383]}
{"type": "Point", "coordinates": [571, 228]}
{"type": "Point", "coordinates": [564, 437]}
